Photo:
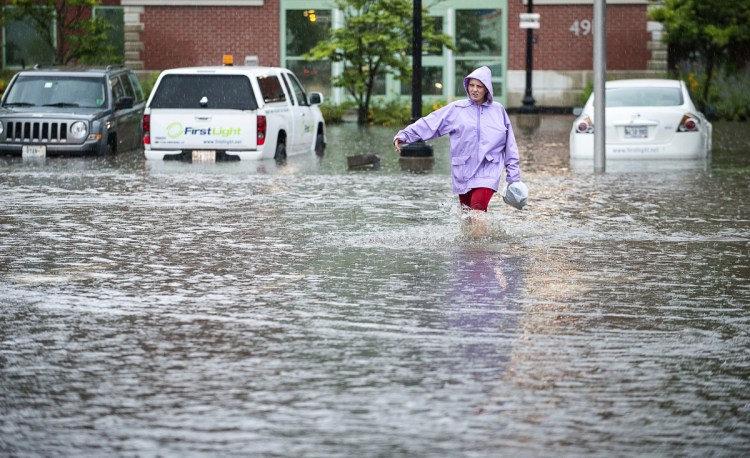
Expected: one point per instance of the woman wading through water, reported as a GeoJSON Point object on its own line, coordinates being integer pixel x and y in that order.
{"type": "Point", "coordinates": [481, 145]}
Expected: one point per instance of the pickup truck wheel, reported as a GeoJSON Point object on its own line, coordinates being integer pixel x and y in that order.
{"type": "Point", "coordinates": [280, 154]}
{"type": "Point", "coordinates": [320, 145]}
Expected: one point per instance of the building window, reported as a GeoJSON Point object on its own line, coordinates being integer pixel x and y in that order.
{"type": "Point", "coordinates": [24, 46]}
{"type": "Point", "coordinates": [115, 16]}
{"type": "Point", "coordinates": [432, 82]}
{"type": "Point", "coordinates": [315, 76]}
{"type": "Point", "coordinates": [304, 29]}
{"type": "Point", "coordinates": [437, 24]}
{"type": "Point", "coordinates": [479, 42]}
{"type": "Point", "coordinates": [480, 33]}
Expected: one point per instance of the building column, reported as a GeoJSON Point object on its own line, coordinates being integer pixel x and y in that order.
{"type": "Point", "coordinates": [658, 47]}
{"type": "Point", "coordinates": [133, 43]}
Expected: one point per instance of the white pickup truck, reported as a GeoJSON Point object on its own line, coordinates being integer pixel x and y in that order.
{"type": "Point", "coordinates": [231, 113]}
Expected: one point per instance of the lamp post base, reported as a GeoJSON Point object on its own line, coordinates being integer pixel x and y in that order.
{"type": "Point", "coordinates": [416, 149]}
{"type": "Point", "coordinates": [528, 105]}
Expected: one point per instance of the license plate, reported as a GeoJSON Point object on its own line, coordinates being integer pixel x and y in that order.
{"type": "Point", "coordinates": [204, 156]}
{"type": "Point", "coordinates": [33, 151]}
{"type": "Point", "coordinates": [636, 132]}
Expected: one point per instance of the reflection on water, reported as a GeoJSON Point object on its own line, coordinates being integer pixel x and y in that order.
{"type": "Point", "coordinates": [311, 310]}
{"type": "Point", "coordinates": [484, 309]}
{"type": "Point", "coordinates": [640, 166]}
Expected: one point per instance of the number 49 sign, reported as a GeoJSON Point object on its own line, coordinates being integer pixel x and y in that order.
{"type": "Point", "coordinates": [581, 27]}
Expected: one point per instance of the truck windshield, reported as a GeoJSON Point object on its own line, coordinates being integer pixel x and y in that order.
{"type": "Point", "coordinates": [57, 91]}
{"type": "Point", "coordinates": [231, 92]}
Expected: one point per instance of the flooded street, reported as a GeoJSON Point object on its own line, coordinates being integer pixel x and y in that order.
{"type": "Point", "coordinates": [249, 309]}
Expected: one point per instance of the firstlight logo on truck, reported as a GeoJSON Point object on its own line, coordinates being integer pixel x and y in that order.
{"type": "Point", "coordinates": [175, 130]}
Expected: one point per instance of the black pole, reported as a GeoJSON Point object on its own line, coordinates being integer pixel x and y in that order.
{"type": "Point", "coordinates": [528, 99]}
{"type": "Point", "coordinates": [417, 149]}
{"type": "Point", "coordinates": [416, 62]}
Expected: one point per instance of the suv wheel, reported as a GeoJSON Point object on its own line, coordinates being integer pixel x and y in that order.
{"type": "Point", "coordinates": [110, 148]}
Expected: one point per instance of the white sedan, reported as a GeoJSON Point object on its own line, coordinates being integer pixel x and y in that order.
{"type": "Point", "coordinates": [645, 119]}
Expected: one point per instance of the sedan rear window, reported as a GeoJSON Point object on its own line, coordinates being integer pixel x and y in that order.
{"type": "Point", "coordinates": [644, 97]}
{"type": "Point", "coordinates": [231, 92]}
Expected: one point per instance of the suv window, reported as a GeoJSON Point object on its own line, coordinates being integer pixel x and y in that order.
{"type": "Point", "coordinates": [270, 87]}
{"type": "Point", "coordinates": [137, 86]}
{"type": "Point", "coordinates": [232, 92]}
{"type": "Point", "coordinates": [129, 92]}
{"type": "Point", "coordinates": [117, 90]}
{"type": "Point", "coordinates": [57, 90]}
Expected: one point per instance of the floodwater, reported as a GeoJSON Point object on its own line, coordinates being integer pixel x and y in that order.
{"type": "Point", "coordinates": [177, 309]}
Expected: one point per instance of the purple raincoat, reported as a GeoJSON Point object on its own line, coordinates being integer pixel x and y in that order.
{"type": "Point", "coordinates": [481, 138]}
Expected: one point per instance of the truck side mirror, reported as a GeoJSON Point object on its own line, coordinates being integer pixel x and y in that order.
{"type": "Point", "coordinates": [316, 98]}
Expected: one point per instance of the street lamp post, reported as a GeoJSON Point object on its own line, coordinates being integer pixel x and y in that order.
{"type": "Point", "coordinates": [416, 149]}
{"type": "Point", "coordinates": [416, 62]}
{"type": "Point", "coordinates": [600, 95]}
{"type": "Point", "coordinates": [528, 99]}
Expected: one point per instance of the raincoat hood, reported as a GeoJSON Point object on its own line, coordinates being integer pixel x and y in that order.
{"type": "Point", "coordinates": [483, 74]}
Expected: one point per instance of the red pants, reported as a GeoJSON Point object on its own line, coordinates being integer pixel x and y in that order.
{"type": "Point", "coordinates": [477, 198]}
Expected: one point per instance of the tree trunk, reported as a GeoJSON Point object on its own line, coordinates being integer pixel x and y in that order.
{"type": "Point", "coordinates": [363, 114]}
{"type": "Point", "coordinates": [364, 108]}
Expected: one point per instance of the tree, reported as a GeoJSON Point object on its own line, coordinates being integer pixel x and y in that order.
{"type": "Point", "coordinates": [3, 13]}
{"type": "Point", "coordinates": [374, 42]}
{"type": "Point", "coordinates": [716, 32]}
{"type": "Point", "coordinates": [76, 36]}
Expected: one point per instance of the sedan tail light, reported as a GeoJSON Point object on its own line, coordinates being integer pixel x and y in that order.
{"type": "Point", "coordinates": [261, 130]}
{"type": "Point", "coordinates": [584, 125]}
{"type": "Point", "coordinates": [146, 129]}
{"type": "Point", "coordinates": [689, 123]}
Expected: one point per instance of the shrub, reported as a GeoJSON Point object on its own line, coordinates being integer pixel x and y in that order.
{"type": "Point", "coordinates": [397, 112]}
{"type": "Point", "coordinates": [730, 97]}
{"type": "Point", "coordinates": [335, 113]}
{"type": "Point", "coordinates": [727, 98]}
{"type": "Point", "coordinates": [148, 83]}
{"type": "Point", "coordinates": [390, 112]}
{"type": "Point", "coordinates": [5, 77]}
{"type": "Point", "coordinates": [584, 96]}
{"type": "Point", "coordinates": [429, 108]}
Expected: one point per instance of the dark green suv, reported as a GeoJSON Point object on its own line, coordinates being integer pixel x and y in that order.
{"type": "Point", "coordinates": [63, 110]}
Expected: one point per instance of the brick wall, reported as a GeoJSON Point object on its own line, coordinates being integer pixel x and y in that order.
{"type": "Point", "coordinates": [197, 36]}
{"type": "Point", "coordinates": [558, 48]}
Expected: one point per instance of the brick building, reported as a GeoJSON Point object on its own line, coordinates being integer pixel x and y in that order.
{"type": "Point", "coordinates": [173, 33]}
